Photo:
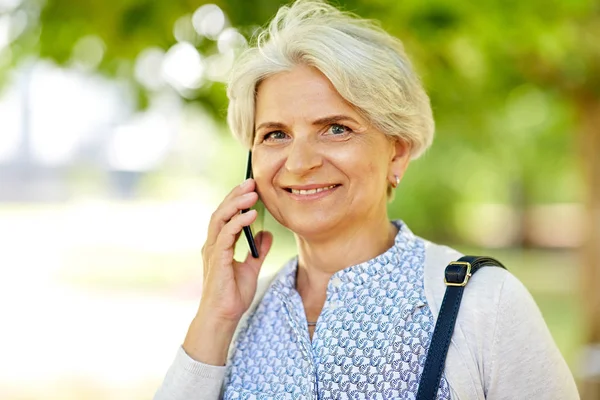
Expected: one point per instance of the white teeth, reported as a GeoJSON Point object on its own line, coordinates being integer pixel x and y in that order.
{"type": "Point", "coordinates": [312, 191]}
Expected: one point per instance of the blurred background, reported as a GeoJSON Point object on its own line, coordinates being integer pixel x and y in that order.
{"type": "Point", "coordinates": [114, 152]}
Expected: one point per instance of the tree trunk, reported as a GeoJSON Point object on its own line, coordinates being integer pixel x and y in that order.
{"type": "Point", "coordinates": [589, 119]}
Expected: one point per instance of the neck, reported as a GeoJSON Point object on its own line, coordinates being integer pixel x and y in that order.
{"type": "Point", "coordinates": [319, 259]}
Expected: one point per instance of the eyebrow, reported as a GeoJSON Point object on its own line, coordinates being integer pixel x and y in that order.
{"type": "Point", "coordinates": [331, 119]}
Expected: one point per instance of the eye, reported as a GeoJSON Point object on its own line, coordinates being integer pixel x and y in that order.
{"type": "Point", "coordinates": [274, 136]}
{"type": "Point", "coordinates": [338, 130]}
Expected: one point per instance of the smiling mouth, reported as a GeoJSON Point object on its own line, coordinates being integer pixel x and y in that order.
{"type": "Point", "coordinates": [311, 191]}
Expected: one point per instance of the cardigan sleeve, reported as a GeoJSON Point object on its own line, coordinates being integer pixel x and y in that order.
{"type": "Point", "coordinates": [188, 379]}
{"type": "Point", "coordinates": [524, 362]}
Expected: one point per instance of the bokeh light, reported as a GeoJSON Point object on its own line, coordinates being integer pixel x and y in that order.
{"type": "Point", "coordinates": [148, 68]}
{"type": "Point", "coordinates": [209, 20]}
{"type": "Point", "coordinates": [182, 67]}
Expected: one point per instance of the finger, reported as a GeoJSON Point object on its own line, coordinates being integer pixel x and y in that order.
{"type": "Point", "coordinates": [224, 245]}
{"type": "Point", "coordinates": [233, 203]}
{"type": "Point", "coordinates": [248, 271]}
{"type": "Point", "coordinates": [208, 249]}
{"type": "Point", "coordinates": [226, 212]}
{"type": "Point", "coordinates": [265, 239]}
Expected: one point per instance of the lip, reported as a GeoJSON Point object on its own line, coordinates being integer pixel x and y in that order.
{"type": "Point", "coordinates": [313, 196]}
{"type": "Point", "coordinates": [309, 187]}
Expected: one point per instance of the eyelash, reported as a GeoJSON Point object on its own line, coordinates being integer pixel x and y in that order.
{"type": "Point", "coordinates": [347, 130]}
{"type": "Point", "coordinates": [267, 136]}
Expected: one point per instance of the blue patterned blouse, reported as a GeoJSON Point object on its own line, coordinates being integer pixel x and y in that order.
{"type": "Point", "coordinates": [370, 341]}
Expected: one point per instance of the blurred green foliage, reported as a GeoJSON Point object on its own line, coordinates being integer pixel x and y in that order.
{"type": "Point", "coordinates": [506, 79]}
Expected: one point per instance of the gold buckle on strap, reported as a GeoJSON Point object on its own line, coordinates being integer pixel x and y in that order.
{"type": "Point", "coordinates": [467, 274]}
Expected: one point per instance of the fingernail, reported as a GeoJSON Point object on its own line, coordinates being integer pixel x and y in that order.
{"type": "Point", "coordinates": [246, 183]}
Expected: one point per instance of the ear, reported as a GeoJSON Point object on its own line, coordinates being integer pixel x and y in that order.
{"type": "Point", "coordinates": [399, 160]}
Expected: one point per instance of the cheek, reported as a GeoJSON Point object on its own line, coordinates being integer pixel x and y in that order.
{"type": "Point", "coordinates": [267, 191]}
{"type": "Point", "coordinates": [363, 163]}
{"type": "Point", "coordinates": [369, 171]}
{"type": "Point", "coordinates": [377, 162]}
{"type": "Point", "coordinates": [265, 169]}
{"type": "Point", "coordinates": [262, 183]}
{"type": "Point", "coordinates": [372, 178]}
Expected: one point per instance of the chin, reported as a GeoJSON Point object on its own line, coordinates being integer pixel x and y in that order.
{"type": "Point", "coordinates": [312, 224]}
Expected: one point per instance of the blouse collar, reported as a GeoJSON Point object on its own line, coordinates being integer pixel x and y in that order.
{"type": "Point", "coordinates": [356, 275]}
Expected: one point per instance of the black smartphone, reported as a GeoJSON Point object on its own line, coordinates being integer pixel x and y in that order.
{"type": "Point", "coordinates": [251, 231]}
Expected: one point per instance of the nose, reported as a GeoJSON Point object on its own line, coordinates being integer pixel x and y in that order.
{"type": "Point", "coordinates": [303, 156]}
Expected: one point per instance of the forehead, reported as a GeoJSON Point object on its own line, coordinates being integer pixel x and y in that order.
{"type": "Point", "coordinates": [302, 93]}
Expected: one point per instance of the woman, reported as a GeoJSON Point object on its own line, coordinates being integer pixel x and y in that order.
{"type": "Point", "coordinates": [333, 113]}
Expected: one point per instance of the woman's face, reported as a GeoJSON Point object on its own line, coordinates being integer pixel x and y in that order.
{"type": "Point", "coordinates": [319, 166]}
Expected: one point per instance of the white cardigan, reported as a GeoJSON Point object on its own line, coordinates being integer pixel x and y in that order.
{"type": "Point", "coordinates": [501, 347]}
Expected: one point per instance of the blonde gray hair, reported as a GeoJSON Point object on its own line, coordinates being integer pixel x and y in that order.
{"type": "Point", "coordinates": [367, 66]}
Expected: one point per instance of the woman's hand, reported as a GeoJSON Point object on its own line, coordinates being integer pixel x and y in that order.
{"type": "Point", "coordinates": [229, 286]}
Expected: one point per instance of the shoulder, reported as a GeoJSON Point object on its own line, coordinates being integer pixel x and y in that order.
{"type": "Point", "coordinates": [490, 295]}
{"type": "Point", "coordinates": [499, 326]}
{"type": "Point", "coordinates": [483, 290]}
{"type": "Point", "coordinates": [471, 344]}
{"type": "Point", "coordinates": [490, 291]}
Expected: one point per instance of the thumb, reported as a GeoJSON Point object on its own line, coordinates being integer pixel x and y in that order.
{"type": "Point", "coordinates": [247, 272]}
{"type": "Point", "coordinates": [265, 241]}
{"type": "Point", "coordinates": [265, 238]}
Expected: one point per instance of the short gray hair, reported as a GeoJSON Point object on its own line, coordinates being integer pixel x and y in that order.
{"type": "Point", "coordinates": [367, 66]}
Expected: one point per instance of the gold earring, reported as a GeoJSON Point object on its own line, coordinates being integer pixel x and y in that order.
{"type": "Point", "coordinates": [397, 178]}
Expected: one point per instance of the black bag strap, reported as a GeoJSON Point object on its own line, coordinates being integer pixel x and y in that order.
{"type": "Point", "coordinates": [456, 278]}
